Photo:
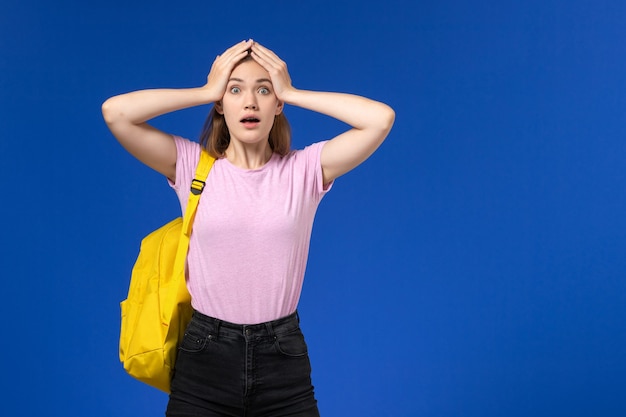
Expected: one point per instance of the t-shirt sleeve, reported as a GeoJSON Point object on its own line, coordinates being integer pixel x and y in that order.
{"type": "Point", "coordinates": [312, 155]}
{"type": "Point", "coordinates": [187, 156]}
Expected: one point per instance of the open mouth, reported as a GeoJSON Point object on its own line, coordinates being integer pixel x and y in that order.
{"type": "Point", "coordinates": [250, 120]}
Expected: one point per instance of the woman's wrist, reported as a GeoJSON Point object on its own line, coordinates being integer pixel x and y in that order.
{"type": "Point", "coordinates": [207, 95]}
{"type": "Point", "coordinates": [290, 96]}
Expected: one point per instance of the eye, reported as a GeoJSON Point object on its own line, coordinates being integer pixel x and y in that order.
{"type": "Point", "coordinates": [264, 90]}
{"type": "Point", "coordinates": [235, 90]}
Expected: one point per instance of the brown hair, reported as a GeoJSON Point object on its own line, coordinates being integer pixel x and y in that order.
{"type": "Point", "coordinates": [215, 136]}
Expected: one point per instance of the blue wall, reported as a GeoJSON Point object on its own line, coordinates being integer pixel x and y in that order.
{"type": "Point", "coordinates": [475, 264]}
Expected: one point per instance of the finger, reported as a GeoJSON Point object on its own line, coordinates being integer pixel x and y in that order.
{"type": "Point", "coordinates": [272, 66]}
{"type": "Point", "coordinates": [236, 52]}
{"type": "Point", "coordinates": [238, 47]}
{"type": "Point", "coordinates": [265, 54]}
{"type": "Point", "coordinates": [260, 59]}
{"type": "Point", "coordinates": [223, 64]}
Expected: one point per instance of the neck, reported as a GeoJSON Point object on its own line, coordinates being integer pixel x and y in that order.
{"type": "Point", "coordinates": [248, 155]}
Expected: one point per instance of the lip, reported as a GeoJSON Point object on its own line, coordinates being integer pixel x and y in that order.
{"type": "Point", "coordinates": [250, 124]}
{"type": "Point", "coordinates": [249, 116]}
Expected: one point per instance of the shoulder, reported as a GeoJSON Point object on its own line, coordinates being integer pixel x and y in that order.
{"type": "Point", "coordinates": [311, 152]}
{"type": "Point", "coordinates": [186, 144]}
{"type": "Point", "coordinates": [187, 156]}
{"type": "Point", "coordinates": [187, 151]}
{"type": "Point", "coordinates": [305, 165]}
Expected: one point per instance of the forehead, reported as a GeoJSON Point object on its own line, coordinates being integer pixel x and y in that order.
{"type": "Point", "coordinates": [249, 71]}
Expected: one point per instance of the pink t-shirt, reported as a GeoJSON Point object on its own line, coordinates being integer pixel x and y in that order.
{"type": "Point", "coordinates": [250, 239]}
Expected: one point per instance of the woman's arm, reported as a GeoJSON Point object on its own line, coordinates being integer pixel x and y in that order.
{"type": "Point", "coordinates": [127, 114]}
{"type": "Point", "coordinates": [371, 121]}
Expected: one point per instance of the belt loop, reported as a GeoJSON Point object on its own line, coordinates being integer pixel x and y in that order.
{"type": "Point", "coordinates": [270, 330]}
{"type": "Point", "coordinates": [218, 323]}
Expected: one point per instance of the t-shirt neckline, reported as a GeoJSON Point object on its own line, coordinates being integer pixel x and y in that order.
{"type": "Point", "coordinates": [265, 166]}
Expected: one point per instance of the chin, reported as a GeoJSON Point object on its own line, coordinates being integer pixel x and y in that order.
{"type": "Point", "coordinates": [252, 140]}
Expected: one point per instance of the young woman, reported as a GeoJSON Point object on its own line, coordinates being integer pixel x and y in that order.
{"type": "Point", "coordinates": [243, 352]}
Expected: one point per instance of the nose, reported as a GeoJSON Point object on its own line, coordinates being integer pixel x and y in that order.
{"type": "Point", "coordinates": [250, 101]}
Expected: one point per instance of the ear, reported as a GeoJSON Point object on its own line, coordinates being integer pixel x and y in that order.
{"type": "Point", "coordinates": [279, 107]}
{"type": "Point", "coordinates": [218, 107]}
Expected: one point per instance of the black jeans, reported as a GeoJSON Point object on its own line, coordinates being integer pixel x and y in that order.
{"type": "Point", "coordinates": [225, 369]}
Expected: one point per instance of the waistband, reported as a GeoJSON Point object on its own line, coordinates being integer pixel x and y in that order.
{"type": "Point", "coordinates": [269, 329]}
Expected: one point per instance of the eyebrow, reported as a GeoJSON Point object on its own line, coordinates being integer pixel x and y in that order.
{"type": "Point", "coordinates": [259, 81]}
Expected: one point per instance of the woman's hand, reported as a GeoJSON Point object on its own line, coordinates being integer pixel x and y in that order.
{"type": "Point", "coordinates": [371, 121]}
{"type": "Point", "coordinates": [277, 69]}
{"type": "Point", "coordinates": [127, 114]}
{"type": "Point", "coordinates": [222, 67]}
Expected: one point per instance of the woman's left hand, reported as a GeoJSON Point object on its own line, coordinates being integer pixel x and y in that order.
{"type": "Point", "coordinates": [277, 69]}
{"type": "Point", "coordinates": [370, 120]}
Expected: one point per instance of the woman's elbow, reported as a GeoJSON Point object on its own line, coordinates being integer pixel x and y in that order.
{"type": "Point", "coordinates": [111, 111]}
{"type": "Point", "coordinates": [108, 111]}
{"type": "Point", "coordinates": [387, 118]}
{"type": "Point", "coordinates": [390, 117]}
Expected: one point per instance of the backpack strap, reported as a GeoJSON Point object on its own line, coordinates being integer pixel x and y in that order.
{"type": "Point", "coordinates": [197, 186]}
{"type": "Point", "coordinates": [179, 293]}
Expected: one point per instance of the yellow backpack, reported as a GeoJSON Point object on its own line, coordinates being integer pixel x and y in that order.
{"type": "Point", "coordinates": [158, 306]}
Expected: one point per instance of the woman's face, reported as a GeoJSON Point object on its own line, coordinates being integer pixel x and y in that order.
{"type": "Point", "coordinates": [249, 104]}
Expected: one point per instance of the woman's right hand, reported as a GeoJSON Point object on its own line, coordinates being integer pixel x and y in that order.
{"type": "Point", "coordinates": [127, 115]}
{"type": "Point", "coordinates": [222, 67]}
